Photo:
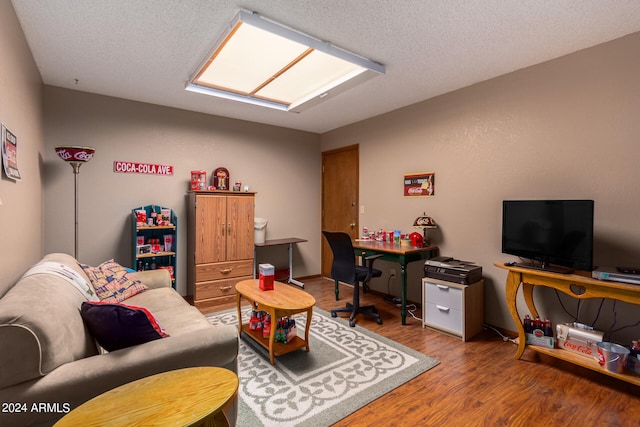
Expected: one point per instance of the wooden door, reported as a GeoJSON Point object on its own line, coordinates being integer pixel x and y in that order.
{"type": "Point", "coordinates": [211, 219]}
{"type": "Point", "coordinates": [339, 197]}
{"type": "Point", "coordinates": [240, 213]}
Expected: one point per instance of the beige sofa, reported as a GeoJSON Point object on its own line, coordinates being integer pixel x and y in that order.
{"type": "Point", "coordinates": [50, 363]}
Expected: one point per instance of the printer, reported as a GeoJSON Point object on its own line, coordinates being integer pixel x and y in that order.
{"type": "Point", "coordinates": [452, 270]}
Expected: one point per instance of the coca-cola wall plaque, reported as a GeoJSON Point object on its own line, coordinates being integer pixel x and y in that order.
{"type": "Point", "coordinates": [420, 184]}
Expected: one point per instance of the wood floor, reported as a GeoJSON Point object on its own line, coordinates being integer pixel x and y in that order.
{"type": "Point", "coordinates": [479, 383]}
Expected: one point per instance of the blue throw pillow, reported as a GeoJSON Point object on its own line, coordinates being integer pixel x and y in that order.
{"type": "Point", "coordinates": [117, 326]}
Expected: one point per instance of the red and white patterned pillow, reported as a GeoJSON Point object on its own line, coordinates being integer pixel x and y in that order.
{"type": "Point", "coordinates": [112, 282]}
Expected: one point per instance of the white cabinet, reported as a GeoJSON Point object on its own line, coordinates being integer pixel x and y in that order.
{"type": "Point", "coordinates": [452, 308]}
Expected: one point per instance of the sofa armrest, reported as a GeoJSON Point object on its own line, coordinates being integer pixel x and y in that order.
{"type": "Point", "coordinates": [160, 278]}
{"type": "Point", "coordinates": [74, 383]}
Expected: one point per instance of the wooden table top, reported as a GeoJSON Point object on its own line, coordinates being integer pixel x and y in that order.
{"type": "Point", "coordinates": [179, 397]}
{"type": "Point", "coordinates": [282, 296]}
{"type": "Point", "coordinates": [391, 247]}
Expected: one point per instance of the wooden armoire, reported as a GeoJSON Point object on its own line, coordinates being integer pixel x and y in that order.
{"type": "Point", "coordinates": [220, 245]}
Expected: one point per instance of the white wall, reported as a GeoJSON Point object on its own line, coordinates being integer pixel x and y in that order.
{"type": "Point", "coordinates": [567, 128]}
{"type": "Point", "coordinates": [21, 221]}
{"type": "Point", "coordinates": [281, 165]}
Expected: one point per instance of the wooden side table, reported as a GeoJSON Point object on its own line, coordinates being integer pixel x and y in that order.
{"type": "Point", "coordinates": [283, 300]}
{"type": "Point", "coordinates": [185, 397]}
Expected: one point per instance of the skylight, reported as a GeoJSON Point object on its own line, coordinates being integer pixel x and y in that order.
{"type": "Point", "coordinates": [264, 63]}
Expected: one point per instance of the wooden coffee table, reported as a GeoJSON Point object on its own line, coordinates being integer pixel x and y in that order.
{"type": "Point", "coordinates": [283, 300]}
{"type": "Point", "coordinates": [185, 397]}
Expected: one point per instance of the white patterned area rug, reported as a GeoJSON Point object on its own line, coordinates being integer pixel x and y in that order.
{"type": "Point", "coordinates": [345, 369]}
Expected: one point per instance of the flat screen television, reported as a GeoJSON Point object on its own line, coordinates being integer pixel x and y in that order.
{"type": "Point", "coordinates": [549, 233]}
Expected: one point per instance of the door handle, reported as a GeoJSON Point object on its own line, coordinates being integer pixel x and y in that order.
{"type": "Point", "coordinates": [352, 225]}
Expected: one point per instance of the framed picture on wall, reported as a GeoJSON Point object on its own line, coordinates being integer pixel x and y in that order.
{"type": "Point", "coordinates": [420, 184]}
{"type": "Point", "coordinates": [10, 154]}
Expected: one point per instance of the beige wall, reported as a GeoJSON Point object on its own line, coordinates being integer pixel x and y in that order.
{"type": "Point", "coordinates": [567, 128]}
{"type": "Point", "coordinates": [21, 222]}
{"type": "Point", "coordinates": [281, 165]}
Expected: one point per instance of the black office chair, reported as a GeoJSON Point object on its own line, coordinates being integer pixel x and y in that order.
{"type": "Point", "coordinates": [344, 269]}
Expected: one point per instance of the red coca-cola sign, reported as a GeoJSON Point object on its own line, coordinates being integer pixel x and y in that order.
{"type": "Point", "coordinates": [578, 348]}
{"type": "Point", "coordinates": [75, 154]}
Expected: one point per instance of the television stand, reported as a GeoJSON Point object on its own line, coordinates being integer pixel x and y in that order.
{"type": "Point", "coordinates": [546, 267]}
{"type": "Point", "coordinates": [579, 285]}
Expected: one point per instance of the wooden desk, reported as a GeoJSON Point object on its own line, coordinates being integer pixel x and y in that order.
{"type": "Point", "coordinates": [283, 300]}
{"type": "Point", "coordinates": [191, 396]}
{"type": "Point", "coordinates": [581, 286]}
{"type": "Point", "coordinates": [400, 254]}
{"type": "Point", "coordinates": [277, 242]}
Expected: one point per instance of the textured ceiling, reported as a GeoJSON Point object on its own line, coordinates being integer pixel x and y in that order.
{"type": "Point", "coordinates": [146, 50]}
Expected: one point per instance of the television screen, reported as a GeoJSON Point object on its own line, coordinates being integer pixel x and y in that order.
{"type": "Point", "coordinates": [558, 232]}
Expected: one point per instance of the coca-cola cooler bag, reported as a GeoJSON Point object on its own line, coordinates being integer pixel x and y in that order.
{"type": "Point", "coordinates": [579, 338]}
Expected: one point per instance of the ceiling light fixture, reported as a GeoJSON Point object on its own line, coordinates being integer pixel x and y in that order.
{"type": "Point", "coordinates": [265, 63]}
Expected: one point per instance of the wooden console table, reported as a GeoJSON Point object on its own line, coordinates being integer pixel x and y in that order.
{"type": "Point", "coordinates": [579, 285]}
{"type": "Point", "coordinates": [401, 254]}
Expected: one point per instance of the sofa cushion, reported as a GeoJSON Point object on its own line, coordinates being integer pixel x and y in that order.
{"type": "Point", "coordinates": [117, 326]}
{"type": "Point", "coordinates": [175, 314]}
{"type": "Point", "coordinates": [112, 282]}
{"type": "Point", "coordinates": [41, 328]}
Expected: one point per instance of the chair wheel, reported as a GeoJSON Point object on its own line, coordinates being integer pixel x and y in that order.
{"type": "Point", "coordinates": [352, 323]}
{"type": "Point", "coordinates": [379, 321]}
{"type": "Point", "coordinates": [333, 314]}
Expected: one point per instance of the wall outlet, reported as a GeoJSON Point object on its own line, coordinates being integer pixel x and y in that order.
{"type": "Point", "coordinates": [392, 273]}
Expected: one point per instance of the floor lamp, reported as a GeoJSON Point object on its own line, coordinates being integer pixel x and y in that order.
{"type": "Point", "coordinates": [75, 156]}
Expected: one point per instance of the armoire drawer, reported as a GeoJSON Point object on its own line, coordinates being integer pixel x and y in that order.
{"type": "Point", "coordinates": [217, 288]}
{"type": "Point", "coordinates": [223, 270]}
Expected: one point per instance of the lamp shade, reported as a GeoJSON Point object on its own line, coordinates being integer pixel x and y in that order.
{"type": "Point", "coordinates": [424, 221]}
{"type": "Point", "coordinates": [70, 153]}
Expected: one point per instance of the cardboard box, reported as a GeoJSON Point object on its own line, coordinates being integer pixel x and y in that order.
{"type": "Point", "coordinates": [542, 341]}
{"type": "Point", "coordinates": [267, 272]}
{"type": "Point", "coordinates": [633, 364]}
{"type": "Point", "coordinates": [286, 330]}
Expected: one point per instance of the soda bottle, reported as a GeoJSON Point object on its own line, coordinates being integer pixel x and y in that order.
{"type": "Point", "coordinates": [527, 324]}
{"type": "Point", "coordinates": [548, 328]}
